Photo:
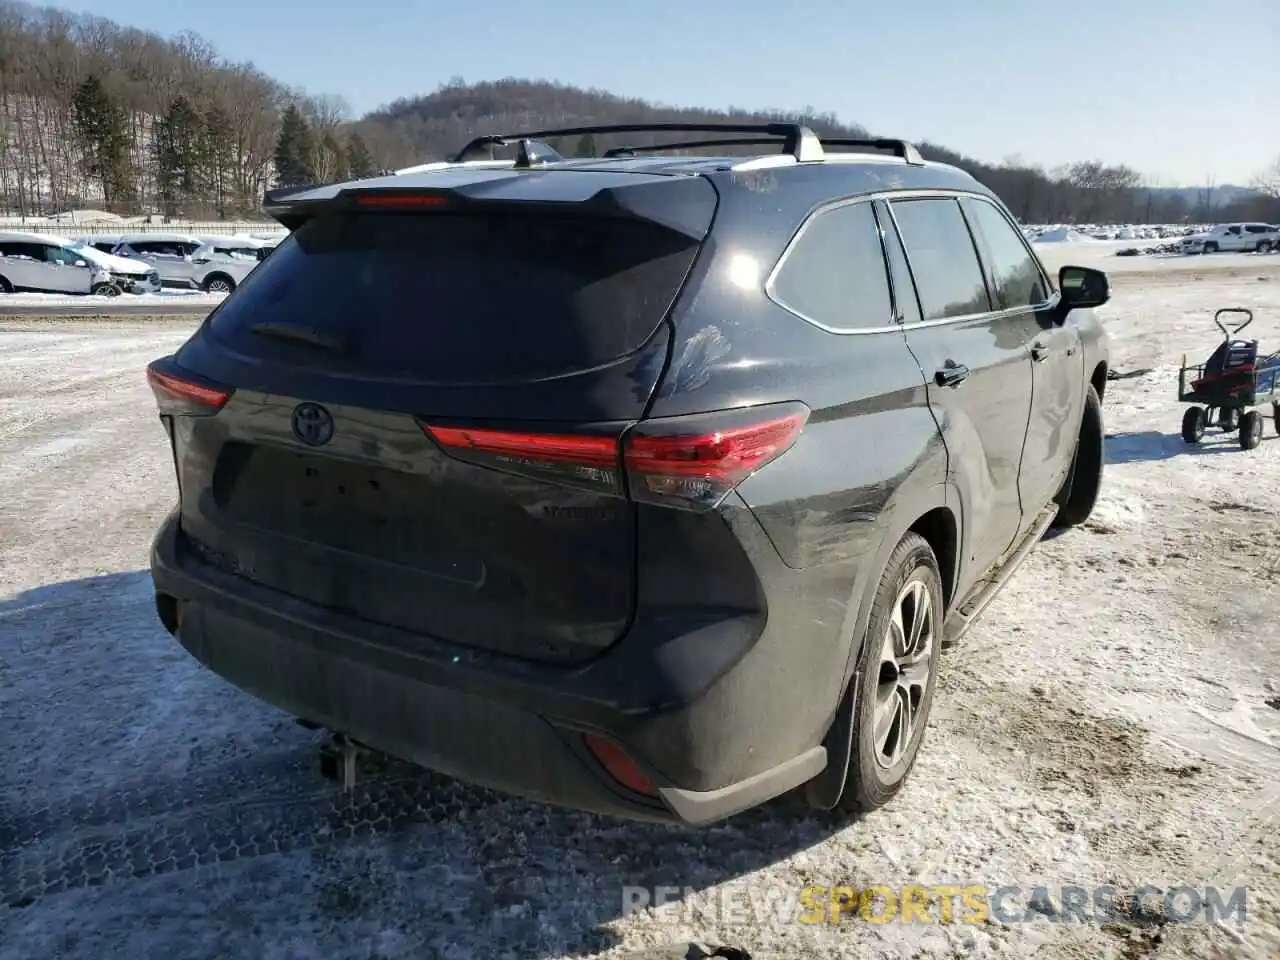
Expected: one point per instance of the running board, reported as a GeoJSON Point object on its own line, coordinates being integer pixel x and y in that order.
{"type": "Point", "coordinates": [985, 591]}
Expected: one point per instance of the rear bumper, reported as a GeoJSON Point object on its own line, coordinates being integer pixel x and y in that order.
{"type": "Point", "coordinates": [494, 721]}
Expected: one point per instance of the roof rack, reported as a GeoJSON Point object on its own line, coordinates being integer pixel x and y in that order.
{"type": "Point", "coordinates": [796, 139]}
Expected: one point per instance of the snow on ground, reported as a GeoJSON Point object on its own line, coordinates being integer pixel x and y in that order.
{"type": "Point", "coordinates": [1114, 719]}
{"type": "Point", "coordinates": [133, 301]}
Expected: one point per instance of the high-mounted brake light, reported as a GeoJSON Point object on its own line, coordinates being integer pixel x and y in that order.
{"type": "Point", "coordinates": [401, 200]}
{"type": "Point", "coordinates": [179, 396]}
{"type": "Point", "coordinates": [682, 461]}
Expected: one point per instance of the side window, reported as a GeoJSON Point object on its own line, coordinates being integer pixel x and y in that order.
{"type": "Point", "coordinates": [1256, 228]}
{"type": "Point", "coordinates": [1019, 282]}
{"type": "Point", "coordinates": [59, 255]}
{"type": "Point", "coordinates": [943, 259]}
{"type": "Point", "coordinates": [833, 274]}
{"type": "Point", "coordinates": [1234, 231]}
{"type": "Point", "coordinates": [904, 288]}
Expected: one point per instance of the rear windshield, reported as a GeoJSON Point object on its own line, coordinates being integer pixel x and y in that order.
{"type": "Point", "coordinates": [445, 297]}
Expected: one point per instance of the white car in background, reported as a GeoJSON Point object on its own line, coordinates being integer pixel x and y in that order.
{"type": "Point", "coordinates": [222, 264]}
{"type": "Point", "coordinates": [1233, 237]}
{"type": "Point", "coordinates": [169, 253]}
{"type": "Point", "coordinates": [52, 264]}
{"type": "Point", "coordinates": [129, 275]}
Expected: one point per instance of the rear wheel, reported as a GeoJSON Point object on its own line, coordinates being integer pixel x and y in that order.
{"type": "Point", "coordinates": [219, 284]}
{"type": "Point", "coordinates": [1275, 416]}
{"type": "Point", "coordinates": [1250, 430]}
{"type": "Point", "coordinates": [1264, 247]}
{"type": "Point", "coordinates": [1229, 419]}
{"type": "Point", "coordinates": [1193, 424]}
{"type": "Point", "coordinates": [1079, 494]}
{"type": "Point", "coordinates": [897, 671]}
{"type": "Point", "coordinates": [5, 286]}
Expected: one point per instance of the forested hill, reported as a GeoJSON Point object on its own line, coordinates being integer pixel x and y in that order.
{"type": "Point", "coordinates": [414, 130]}
{"type": "Point", "coordinates": [94, 114]}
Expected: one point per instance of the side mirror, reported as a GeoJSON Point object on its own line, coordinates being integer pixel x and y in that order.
{"type": "Point", "coordinates": [1083, 288]}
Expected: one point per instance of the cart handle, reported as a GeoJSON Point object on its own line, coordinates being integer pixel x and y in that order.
{"type": "Point", "coordinates": [1228, 334]}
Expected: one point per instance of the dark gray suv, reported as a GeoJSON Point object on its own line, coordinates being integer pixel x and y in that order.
{"type": "Point", "coordinates": [648, 484]}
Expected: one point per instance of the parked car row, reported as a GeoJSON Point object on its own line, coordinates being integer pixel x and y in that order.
{"type": "Point", "coordinates": [50, 264]}
{"type": "Point", "coordinates": [138, 263]}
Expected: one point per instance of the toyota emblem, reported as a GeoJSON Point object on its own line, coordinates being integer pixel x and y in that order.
{"type": "Point", "coordinates": [312, 424]}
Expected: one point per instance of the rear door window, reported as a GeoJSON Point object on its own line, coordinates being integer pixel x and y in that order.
{"type": "Point", "coordinates": [450, 297]}
{"type": "Point", "coordinates": [943, 258]}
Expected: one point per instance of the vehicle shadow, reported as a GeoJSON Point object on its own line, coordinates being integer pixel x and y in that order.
{"type": "Point", "coordinates": [1149, 445]}
{"type": "Point", "coordinates": [156, 784]}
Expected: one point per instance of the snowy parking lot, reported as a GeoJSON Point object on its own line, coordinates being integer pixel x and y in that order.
{"type": "Point", "coordinates": [1113, 720]}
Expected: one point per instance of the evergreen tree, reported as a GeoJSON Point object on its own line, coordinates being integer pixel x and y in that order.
{"type": "Point", "coordinates": [586, 146]}
{"type": "Point", "coordinates": [101, 133]}
{"type": "Point", "coordinates": [294, 149]}
{"type": "Point", "coordinates": [218, 155]}
{"type": "Point", "coordinates": [359, 160]}
{"type": "Point", "coordinates": [178, 141]}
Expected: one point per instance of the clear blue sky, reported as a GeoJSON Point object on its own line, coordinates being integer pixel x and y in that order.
{"type": "Point", "coordinates": [1182, 90]}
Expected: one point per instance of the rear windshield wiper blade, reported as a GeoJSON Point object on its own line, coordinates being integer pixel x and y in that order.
{"type": "Point", "coordinates": [296, 333]}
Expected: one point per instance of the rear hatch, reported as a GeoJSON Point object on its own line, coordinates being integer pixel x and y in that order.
{"type": "Point", "coordinates": [420, 410]}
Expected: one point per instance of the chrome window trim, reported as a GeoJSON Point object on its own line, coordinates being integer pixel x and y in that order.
{"type": "Point", "coordinates": [888, 196]}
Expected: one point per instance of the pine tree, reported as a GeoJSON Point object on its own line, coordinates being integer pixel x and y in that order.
{"type": "Point", "coordinates": [294, 149]}
{"type": "Point", "coordinates": [98, 125]}
{"type": "Point", "coordinates": [218, 155]}
{"type": "Point", "coordinates": [178, 140]}
{"type": "Point", "coordinates": [359, 160]}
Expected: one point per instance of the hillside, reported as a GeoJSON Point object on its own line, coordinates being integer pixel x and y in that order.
{"type": "Point", "coordinates": [418, 129]}
{"type": "Point", "coordinates": [93, 114]}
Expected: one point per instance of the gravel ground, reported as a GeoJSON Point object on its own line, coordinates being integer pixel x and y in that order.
{"type": "Point", "coordinates": [1114, 720]}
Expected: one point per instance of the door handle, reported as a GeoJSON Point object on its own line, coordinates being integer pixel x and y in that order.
{"type": "Point", "coordinates": [1039, 352]}
{"type": "Point", "coordinates": [951, 374]}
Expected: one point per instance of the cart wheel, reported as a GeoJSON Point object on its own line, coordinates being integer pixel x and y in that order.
{"type": "Point", "coordinates": [1193, 424]}
{"type": "Point", "coordinates": [1250, 429]}
{"type": "Point", "coordinates": [1229, 419]}
{"type": "Point", "coordinates": [1275, 416]}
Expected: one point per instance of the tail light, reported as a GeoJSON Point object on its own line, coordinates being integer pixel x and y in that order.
{"type": "Point", "coordinates": [691, 462]}
{"type": "Point", "coordinates": [183, 395]}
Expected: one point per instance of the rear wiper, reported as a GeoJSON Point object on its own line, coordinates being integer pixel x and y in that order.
{"type": "Point", "coordinates": [295, 333]}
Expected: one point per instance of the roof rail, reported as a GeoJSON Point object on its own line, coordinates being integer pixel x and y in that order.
{"type": "Point", "coordinates": [797, 139]}
{"type": "Point", "coordinates": [899, 148]}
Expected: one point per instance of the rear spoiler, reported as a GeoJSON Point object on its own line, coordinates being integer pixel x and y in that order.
{"type": "Point", "coordinates": [685, 205]}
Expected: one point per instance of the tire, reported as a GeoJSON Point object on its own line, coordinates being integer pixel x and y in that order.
{"type": "Point", "coordinates": [1210, 248]}
{"type": "Point", "coordinates": [219, 284]}
{"type": "Point", "coordinates": [105, 290]}
{"type": "Point", "coordinates": [1229, 419]}
{"type": "Point", "coordinates": [1079, 494]}
{"type": "Point", "coordinates": [1193, 424]}
{"type": "Point", "coordinates": [1263, 247]}
{"type": "Point", "coordinates": [5, 286]}
{"type": "Point", "coordinates": [1275, 417]}
{"type": "Point", "coordinates": [1250, 430]}
{"type": "Point", "coordinates": [881, 758]}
